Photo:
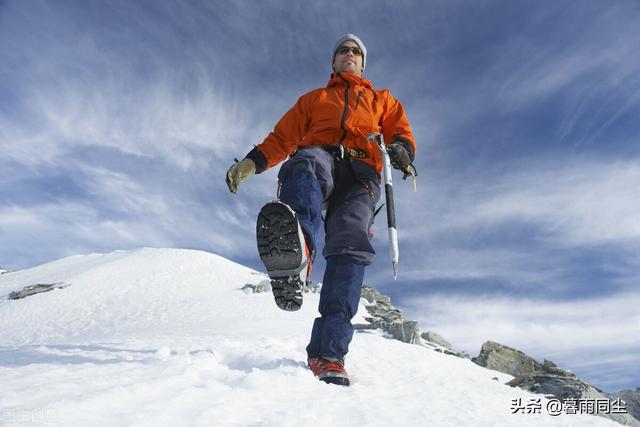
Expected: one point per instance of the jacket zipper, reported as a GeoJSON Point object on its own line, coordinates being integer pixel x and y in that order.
{"type": "Point", "coordinates": [345, 110]}
{"type": "Point", "coordinates": [358, 100]}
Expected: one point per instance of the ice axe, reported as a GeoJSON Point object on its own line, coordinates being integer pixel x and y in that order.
{"type": "Point", "coordinates": [388, 194]}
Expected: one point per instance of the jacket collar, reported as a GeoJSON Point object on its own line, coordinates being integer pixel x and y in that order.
{"type": "Point", "coordinates": [338, 79]}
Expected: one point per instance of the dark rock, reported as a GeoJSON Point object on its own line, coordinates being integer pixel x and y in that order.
{"type": "Point", "coordinates": [385, 316]}
{"type": "Point", "coordinates": [434, 338]}
{"type": "Point", "coordinates": [563, 385]}
{"type": "Point", "coordinates": [545, 378]}
{"type": "Point", "coordinates": [631, 399]}
{"type": "Point", "coordinates": [372, 295]}
{"type": "Point", "coordinates": [364, 326]}
{"type": "Point", "coordinates": [36, 289]}
{"type": "Point", "coordinates": [250, 288]}
{"type": "Point", "coordinates": [406, 331]}
{"type": "Point", "coordinates": [560, 385]}
{"type": "Point", "coordinates": [265, 286]}
{"type": "Point", "coordinates": [391, 320]}
{"type": "Point", "coordinates": [505, 359]}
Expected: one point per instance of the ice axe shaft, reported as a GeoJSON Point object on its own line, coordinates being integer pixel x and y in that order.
{"type": "Point", "coordinates": [388, 194]}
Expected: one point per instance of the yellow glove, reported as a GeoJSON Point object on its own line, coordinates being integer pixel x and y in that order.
{"type": "Point", "coordinates": [239, 172]}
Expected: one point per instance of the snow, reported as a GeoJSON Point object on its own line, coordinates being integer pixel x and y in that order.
{"type": "Point", "coordinates": [156, 337]}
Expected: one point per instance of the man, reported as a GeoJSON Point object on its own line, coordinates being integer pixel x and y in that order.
{"type": "Point", "coordinates": [331, 166]}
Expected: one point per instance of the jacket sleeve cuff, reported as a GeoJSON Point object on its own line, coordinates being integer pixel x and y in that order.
{"type": "Point", "coordinates": [258, 158]}
{"type": "Point", "coordinates": [397, 139]}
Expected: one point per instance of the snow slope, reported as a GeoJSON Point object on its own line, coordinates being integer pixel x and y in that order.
{"type": "Point", "coordinates": [156, 337]}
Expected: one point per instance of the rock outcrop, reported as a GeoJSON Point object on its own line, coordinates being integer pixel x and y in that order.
{"type": "Point", "coordinates": [505, 359]}
{"type": "Point", "coordinates": [36, 289]}
{"type": "Point", "coordinates": [548, 379]}
{"type": "Point", "coordinates": [261, 287]}
{"type": "Point", "coordinates": [439, 344]}
{"type": "Point", "coordinates": [436, 339]}
{"type": "Point", "coordinates": [383, 315]}
{"type": "Point", "coordinates": [564, 385]}
{"type": "Point", "coordinates": [632, 399]}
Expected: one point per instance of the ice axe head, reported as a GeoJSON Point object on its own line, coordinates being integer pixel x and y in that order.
{"type": "Point", "coordinates": [375, 137]}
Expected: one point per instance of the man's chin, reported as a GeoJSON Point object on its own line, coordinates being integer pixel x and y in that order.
{"type": "Point", "coordinates": [349, 70]}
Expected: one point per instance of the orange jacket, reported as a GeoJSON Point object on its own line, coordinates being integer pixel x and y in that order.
{"type": "Point", "coordinates": [345, 112]}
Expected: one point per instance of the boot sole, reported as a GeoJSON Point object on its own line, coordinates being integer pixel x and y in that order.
{"type": "Point", "coordinates": [281, 252]}
{"type": "Point", "coordinates": [287, 293]}
{"type": "Point", "coordinates": [336, 380]}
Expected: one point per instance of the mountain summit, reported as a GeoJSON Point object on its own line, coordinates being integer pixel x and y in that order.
{"type": "Point", "coordinates": [169, 337]}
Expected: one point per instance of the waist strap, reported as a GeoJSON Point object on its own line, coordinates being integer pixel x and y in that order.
{"type": "Point", "coordinates": [337, 152]}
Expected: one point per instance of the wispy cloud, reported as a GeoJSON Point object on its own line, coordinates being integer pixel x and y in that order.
{"type": "Point", "coordinates": [588, 203]}
{"type": "Point", "coordinates": [571, 333]}
{"type": "Point", "coordinates": [526, 225]}
{"type": "Point", "coordinates": [141, 129]}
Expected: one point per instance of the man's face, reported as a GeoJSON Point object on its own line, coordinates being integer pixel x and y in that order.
{"type": "Point", "coordinates": [348, 62]}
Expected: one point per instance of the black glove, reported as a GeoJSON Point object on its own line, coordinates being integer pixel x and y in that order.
{"type": "Point", "coordinates": [399, 156]}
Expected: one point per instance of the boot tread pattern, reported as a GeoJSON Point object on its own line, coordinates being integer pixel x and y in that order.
{"type": "Point", "coordinates": [281, 252]}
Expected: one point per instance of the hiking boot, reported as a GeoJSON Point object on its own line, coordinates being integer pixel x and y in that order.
{"type": "Point", "coordinates": [329, 371]}
{"type": "Point", "coordinates": [284, 253]}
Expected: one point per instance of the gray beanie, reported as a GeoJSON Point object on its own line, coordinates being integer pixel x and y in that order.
{"type": "Point", "coordinates": [358, 42]}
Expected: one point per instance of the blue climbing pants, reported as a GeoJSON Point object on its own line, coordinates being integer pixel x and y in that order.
{"type": "Point", "coordinates": [314, 178]}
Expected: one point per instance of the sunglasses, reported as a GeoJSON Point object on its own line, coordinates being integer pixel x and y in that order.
{"type": "Point", "coordinates": [343, 50]}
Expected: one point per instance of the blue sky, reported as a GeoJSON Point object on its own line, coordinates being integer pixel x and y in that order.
{"type": "Point", "coordinates": [119, 119]}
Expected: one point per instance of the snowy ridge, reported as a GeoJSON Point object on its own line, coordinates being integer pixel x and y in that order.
{"type": "Point", "coordinates": [166, 337]}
